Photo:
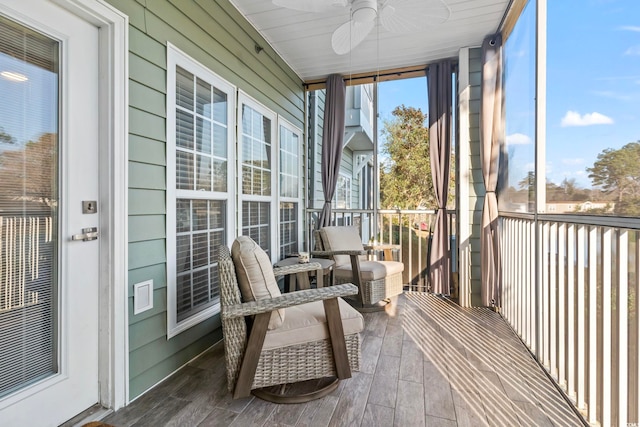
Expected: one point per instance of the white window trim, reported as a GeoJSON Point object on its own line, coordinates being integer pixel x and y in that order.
{"type": "Point", "coordinates": [244, 99]}
{"type": "Point", "coordinates": [283, 123]}
{"type": "Point", "coordinates": [176, 57]}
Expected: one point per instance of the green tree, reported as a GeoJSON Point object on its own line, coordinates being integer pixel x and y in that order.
{"type": "Point", "coordinates": [617, 173]}
{"type": "Point", "coordinates": [405, 176]}
{"type": "Point", "coordinates": [5, 137]}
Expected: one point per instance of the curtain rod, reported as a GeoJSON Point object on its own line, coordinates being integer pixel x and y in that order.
{"type": "Point", "coordinates": [386, 75]}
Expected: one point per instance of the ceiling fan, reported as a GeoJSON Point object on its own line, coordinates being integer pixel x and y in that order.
{"type": "Point", "coordinates": [397, 16]}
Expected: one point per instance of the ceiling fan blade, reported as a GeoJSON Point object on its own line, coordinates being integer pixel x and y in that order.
{"type": "Point", "coordinates": [349, 35]}
{"type": "Point", "coordinates": [403, 16]}
{"type": "Point", "coordinates": [317, 6]}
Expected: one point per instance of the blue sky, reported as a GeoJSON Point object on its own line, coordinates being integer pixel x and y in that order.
{"type": "Point", "coordinates": [593, 86]}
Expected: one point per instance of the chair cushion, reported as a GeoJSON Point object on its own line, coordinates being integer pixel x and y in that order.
{"type": "Point", "coordinates": [306, 323]}
{"type": "Point", "coordinates": [371, 270]}
{"type": "Point", "coordinates": [255, 275]}
{"type": "Point", "coordinates": [340, 238]}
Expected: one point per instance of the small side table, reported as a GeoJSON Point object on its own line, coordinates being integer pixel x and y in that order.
{"type": "Point", "coordinates": [385, 248]}
{"type": "Point", "coordinates": [303, 278]}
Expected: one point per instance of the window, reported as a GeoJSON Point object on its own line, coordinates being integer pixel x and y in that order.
{"type": "Point", "coordinates": [342, 198]}
{"type": "Point", "coordinates": [257, 135]}
{"type": "Point", "coordinates": [200, 188]}
{"type": "Point", "coordinates": [290, 178]}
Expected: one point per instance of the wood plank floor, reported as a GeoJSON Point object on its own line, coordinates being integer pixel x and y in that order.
{"type": "Point", "coordinates": [425, 362]}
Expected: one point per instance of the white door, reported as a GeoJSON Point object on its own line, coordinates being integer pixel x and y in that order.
{"type": "Point", "coordinates": [48, 168]}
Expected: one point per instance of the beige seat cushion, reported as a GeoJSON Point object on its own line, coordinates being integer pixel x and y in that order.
{"type": "Point", "coordinates": [255, 275]}
{"type": "Point", "coordinates": [307, 322]}
{"type": "Point", "coordinates": [371, 270]}
{"type": "Point", "coordinates": [339, 238]}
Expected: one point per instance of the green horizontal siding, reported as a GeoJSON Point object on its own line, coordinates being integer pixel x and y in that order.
{"type": "Point", "coordinates": [144, 175]}
{"type": "Point", "coordinates": [146, 227]}
{"type": "Point", "coordinates": [145, 150]}
{"type": "Point", "coordinates": [215, 34]}
{"type": "Point", "coordinates": [155, 272]}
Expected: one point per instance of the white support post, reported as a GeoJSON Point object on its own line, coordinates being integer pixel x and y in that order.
{"type": "Point", "coordinates": [464, 172]}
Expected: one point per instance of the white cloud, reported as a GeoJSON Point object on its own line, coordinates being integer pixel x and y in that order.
{"type": "Point", "coordinates": [518, 139]}
{"type": "Point", "coordinates": [575, 161]}
{"type": "Point", "coordinates": [630, 28]}
{"type": "Point", "coordinates": [633, 50]}
{"type": "Point", "coordinates": [573, 118]}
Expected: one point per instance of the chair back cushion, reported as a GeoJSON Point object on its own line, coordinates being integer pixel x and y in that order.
{"type": "Point", "coordinates": [255, 275]}
{"type": "Point", "coordinates": [340, 238]}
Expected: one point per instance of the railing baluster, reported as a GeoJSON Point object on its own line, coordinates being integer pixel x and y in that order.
{"type": "Point", "coordinates": [606, 326]}
{"type": "Point", "coordinates": [553, 300]}
{"type": "Point", "coordinates": [545, 295]}
{"type": "Point", "coordinates": [562, 306]}
{"type": "Point", "coordinates": [623, 319]}
{"type": "Point", "coordinates": [571, 312]}
{"type": "Point", "coordinates": [592, 325]}
{"type": "Point", "coordinates": [581, 397]}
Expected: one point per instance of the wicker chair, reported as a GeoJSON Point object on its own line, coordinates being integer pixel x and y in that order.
{"type": "Point", "coordinates": [377, 281]}
{"type": "Point", "coordinates": [325, 343]}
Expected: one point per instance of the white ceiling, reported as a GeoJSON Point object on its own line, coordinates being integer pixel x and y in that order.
{"type": "Point", "coordinates": [304, 39]}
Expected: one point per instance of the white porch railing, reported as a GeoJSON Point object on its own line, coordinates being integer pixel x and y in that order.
{"type": "Point", "coordinates": [581, 320]}
{"type": "Point", "coordinates": [409, 229]}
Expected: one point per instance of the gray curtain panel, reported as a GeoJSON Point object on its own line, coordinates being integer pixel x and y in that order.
{"type": "Point", "coordinates": [439, 81]}
{"type": "Point", "coordinates": [332, 139]}
{"type": "Point", "coordinates": [491, 139]}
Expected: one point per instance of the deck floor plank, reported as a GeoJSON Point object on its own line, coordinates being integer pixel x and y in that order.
{"type": "Point", "coordinates": [425, 362]}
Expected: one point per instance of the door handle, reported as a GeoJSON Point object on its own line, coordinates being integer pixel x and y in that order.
{"type": "Point", "coordinates": [87, 235]}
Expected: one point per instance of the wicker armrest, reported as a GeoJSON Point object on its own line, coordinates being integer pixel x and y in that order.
{"type": "Point", "coordinates": [288, 300]}
{"type": "Point", "coordinates": [339, 252]}
{"type": "Point", "coordinates": [298, 268]}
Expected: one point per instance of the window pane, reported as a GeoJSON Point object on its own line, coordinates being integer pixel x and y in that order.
{"type": "Point", "coordinates": [220, 175]}
{"type": "Point", "coordinates": [184, 88]}
{"type": "Point", "coordinates": [289, 163]}
{"type": "Point", "coordinates": [203, 98]}
{"type": "Point", "coordinates": [256, 153]}
{"type": "Point", "coordinates": [517, 186]}
{"type": "Point", "coordinates": [288, 229]}
{"type": "Point", "coordinates": [593, 82]}
{"type": "Point", "coordinates": [256, 223]}
{"type": "Point", "coordinates": [183, 215]}
{"type": "Point", "coordinates": [219, 106]}
{"type": "Point", "coordinates": [184, 170]}
{"type": "Point", "coordinates": [204, 173]}
{"type": "Point", "coordinates": [203, 136]}
{"type": "Point", "coordinates": [184, 129]}
{"type": "Point", "coordinates": [219, 141]}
